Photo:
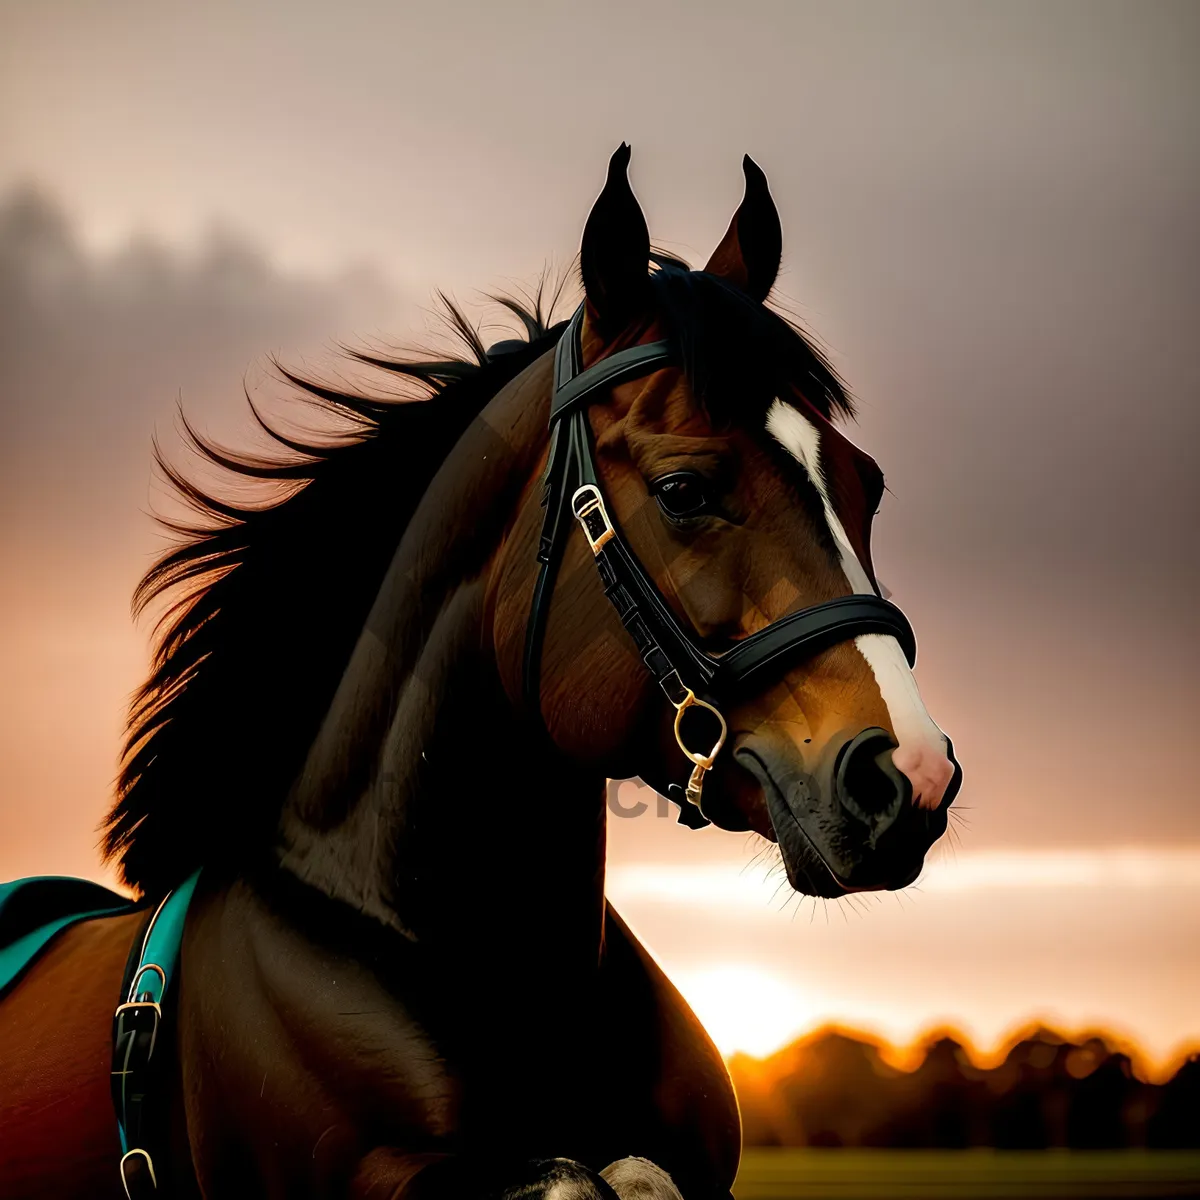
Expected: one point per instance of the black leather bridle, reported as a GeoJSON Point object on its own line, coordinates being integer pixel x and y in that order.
{"type": "Point", "coordinates": [688, 675]}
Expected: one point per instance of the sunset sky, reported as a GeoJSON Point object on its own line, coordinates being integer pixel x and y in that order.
{"type": "Point", "coordinates": [989, 218]}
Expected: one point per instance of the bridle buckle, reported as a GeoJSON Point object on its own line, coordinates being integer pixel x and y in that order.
{"type": "Point", "coordinates": [588, 506]}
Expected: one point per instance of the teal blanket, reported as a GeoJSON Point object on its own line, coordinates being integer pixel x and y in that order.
{"type": "Point", "coordinates": [33, 911]}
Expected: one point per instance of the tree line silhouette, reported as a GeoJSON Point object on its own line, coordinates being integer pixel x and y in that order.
{"type": "Point", "coordinates": [835, 1089]}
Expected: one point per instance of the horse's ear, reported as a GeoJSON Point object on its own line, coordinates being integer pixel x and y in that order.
{"type": "Point", "coordinates": [615, 256]}
{"type": "Point", "coordinates": [749, 253]}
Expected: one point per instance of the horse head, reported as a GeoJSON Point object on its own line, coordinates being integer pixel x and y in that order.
{"type": "Point", "coordinates": [741, 502]}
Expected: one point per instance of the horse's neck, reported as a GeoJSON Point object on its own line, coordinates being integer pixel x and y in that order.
{"type": "Point", "coordinates": [425, 802]}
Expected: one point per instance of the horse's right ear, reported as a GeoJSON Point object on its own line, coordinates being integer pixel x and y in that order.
{"type": "Point", "coordinates": [615, 256]}
{"type": "Point", "coordinates": [749, 253]}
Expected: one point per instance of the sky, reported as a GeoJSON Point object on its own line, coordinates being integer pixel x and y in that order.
{"type": "Point", "coordinates": [989, 222]}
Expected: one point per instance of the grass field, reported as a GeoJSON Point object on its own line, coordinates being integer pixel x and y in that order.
{"type": "Point", "coordinates": [972, 1174]}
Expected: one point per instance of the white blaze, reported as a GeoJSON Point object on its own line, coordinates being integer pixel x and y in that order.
{"type": "Point", "coordinates": [921, 742]}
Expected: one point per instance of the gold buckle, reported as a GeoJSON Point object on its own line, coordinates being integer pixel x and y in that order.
{"type": "Point", "coordinates": [593, 503]}
{"type": "Point", "coordinates": [703, 762]}
{"type": "Point", "coordinates": [149, 1163]}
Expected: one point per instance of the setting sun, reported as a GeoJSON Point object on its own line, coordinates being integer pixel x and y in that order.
{"type": "Point", "coordinates": [746, 1008]}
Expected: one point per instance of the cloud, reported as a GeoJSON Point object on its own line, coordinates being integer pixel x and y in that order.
{"type": "Point", "coordinates": [95, 351]}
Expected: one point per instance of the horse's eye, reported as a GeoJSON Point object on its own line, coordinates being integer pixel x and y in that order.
{"type": "Point", "coordinates": [682, 494]}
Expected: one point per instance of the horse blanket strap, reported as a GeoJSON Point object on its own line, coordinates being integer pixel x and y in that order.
{"type": "Point", "coordinates": [36, 910]}
{"type": "Point", "coordinates": [689, 676]}
{"type": "Point", "coordinates": [136, 1057]}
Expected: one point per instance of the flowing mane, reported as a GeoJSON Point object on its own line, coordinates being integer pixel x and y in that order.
{"type": "Point", "coordinates": [266, 601]}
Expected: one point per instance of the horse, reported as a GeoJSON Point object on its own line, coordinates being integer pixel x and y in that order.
{"type": "Point", "coordinates": [382, 711]}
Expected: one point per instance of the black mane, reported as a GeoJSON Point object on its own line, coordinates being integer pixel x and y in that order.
{"type": "Point", "coordinates": [266, 601]}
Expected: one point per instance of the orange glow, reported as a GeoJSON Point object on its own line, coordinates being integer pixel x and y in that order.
{"type": "Point", "coordinates": [908, 1058]}
{"type": "Point", "coordinates": [1148, 1067]}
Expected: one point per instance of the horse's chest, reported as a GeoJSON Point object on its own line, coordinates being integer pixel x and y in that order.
{"type": "Point", "coordinates": [289, 1047]}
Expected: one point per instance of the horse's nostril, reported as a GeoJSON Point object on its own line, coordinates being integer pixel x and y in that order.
{"type": "Point", "coordinates": [866, 782]}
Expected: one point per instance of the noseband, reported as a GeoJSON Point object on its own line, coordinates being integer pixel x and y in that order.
{"type": "Point", "coordinates": [689, 676]}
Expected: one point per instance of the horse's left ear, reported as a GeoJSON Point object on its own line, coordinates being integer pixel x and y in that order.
{"type": "Point", "coordinates": [614, 258]}
{"type": "Point", "coordinates": [749, 253]}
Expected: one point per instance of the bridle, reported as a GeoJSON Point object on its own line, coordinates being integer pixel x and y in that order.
{"type": "Point", "coordinates": [689, 676]}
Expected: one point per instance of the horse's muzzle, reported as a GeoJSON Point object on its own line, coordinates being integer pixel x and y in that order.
{"type": "Point", "coordinates": [846, 822]}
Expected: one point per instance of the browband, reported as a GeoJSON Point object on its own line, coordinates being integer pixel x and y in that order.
{"type": "Point", "coordinates": [608, 372]}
